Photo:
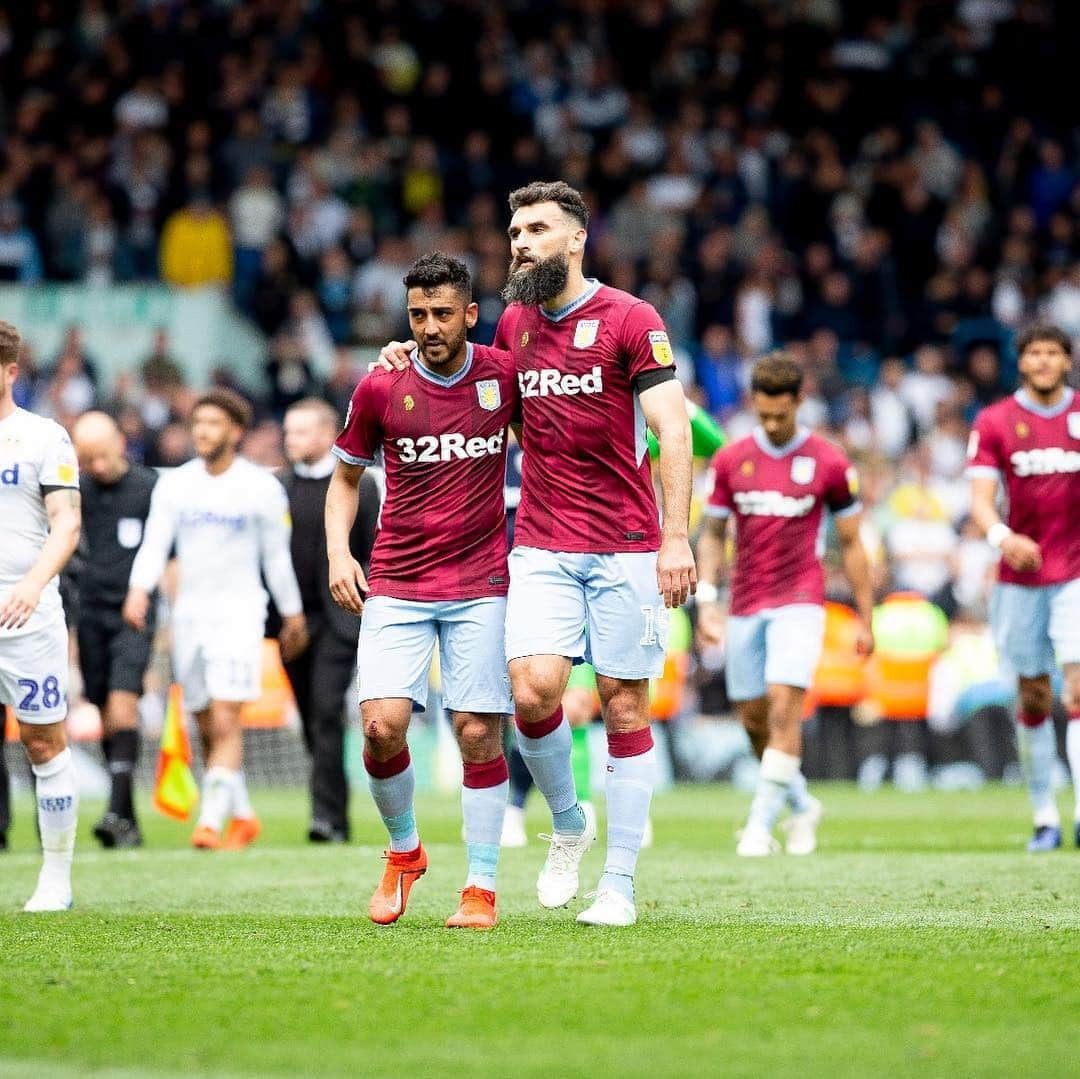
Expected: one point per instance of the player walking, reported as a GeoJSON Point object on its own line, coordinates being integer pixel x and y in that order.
{"type": "Point", "coordinates": [591, 572]}
{"type": "Point", "coordinates": [39, 530]}
{"type": "Point", "coordinates": [112, 655]}
{"type": "Point", "coordinates": [228, 519]}
{"type": "Point", "coordinates": [1030, 443]}
{"type": "Point", "coordinates": [438, 571]}
{"type": "Point", "coordinates": [776, 483]}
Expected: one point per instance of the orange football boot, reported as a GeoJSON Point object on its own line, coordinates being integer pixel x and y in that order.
{"type": "Point", "coordinates": [206, 838]}
{"type": "Point", "coordinates": [477, 910]}
{"type": "Point", "coordinates": [241, 833]}
{"type": "Point", "coordinates": [403, 870]}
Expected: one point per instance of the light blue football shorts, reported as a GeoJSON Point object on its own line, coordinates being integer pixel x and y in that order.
{"type": "Point", "coordinates": [397, 641]}
{"type": "Point", "coordinates": [602, 608]}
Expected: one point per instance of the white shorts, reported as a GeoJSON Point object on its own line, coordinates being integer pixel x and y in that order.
{"type": "Point", "coordinates": [1036, 628]}
{"type": "Point", "coordinates": [778, 646]}
{"type": "Point", "coordinates": [218, 661]}
{"type": "Point", "coordinates": [34, 673]}
{"type": "Point", "coordinates": [397, 641]}
{"type": "Point", "coordinates": [603, 608]}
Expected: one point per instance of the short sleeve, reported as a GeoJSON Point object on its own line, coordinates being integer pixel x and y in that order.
{"type": "Point", "coordinates": [719, 502]}
{"type": "Point", "coordinates": [59, 465]}
{"type": "Point", "coordinates": [841, 487]}
{"type": "Point", "coordinates": [504, 331]}
{"type": "Point", "coordinates": [984, 449]}
{"type": "Point", "coordinates": [644, 342]}
{"type": "Point", "coordinates": [359, 440]}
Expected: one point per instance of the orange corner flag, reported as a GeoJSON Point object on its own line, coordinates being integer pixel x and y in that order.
{"type": "Point", "coordinates": [175, 789]}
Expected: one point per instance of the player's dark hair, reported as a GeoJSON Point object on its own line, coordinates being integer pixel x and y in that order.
{"type": "Point", "coordinates": [10, 343]}
{"type": "Point", "coordinates": [1042, 331]}
{"type": "Point", "coordinates": [558, 191]}
{"type": "Point", "coordinates": [231, 403]}
{"type": "Point", "coordinates": [437, 268]}
{"type": "Point", "coordinates": [776, 374]}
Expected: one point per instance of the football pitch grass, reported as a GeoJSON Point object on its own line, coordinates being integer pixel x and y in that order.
{"type": "Point", "coordinates": [920, 940]}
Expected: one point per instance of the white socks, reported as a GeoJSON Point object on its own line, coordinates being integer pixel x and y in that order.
{"type": "Point", "coordinates": [218, 795]}
{"type": "Point", "coordinates": [778, 771]}
{"type": "Point", "coordinates": [58, 813]}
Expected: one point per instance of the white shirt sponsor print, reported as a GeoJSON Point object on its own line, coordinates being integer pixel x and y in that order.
{"type": "Point", "coordinates": [429, 449]}
{"type": "Point", "coordinates": [549, 382]}
{"type": "Point", "coordinates": [772, 504]}
{"type": "Point", "coordinates": [1045, 462]}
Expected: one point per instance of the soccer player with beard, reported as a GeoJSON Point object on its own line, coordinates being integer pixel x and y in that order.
{"type": "Point", "coordinates": [39, 529]}
{"type": "Point", "coordinates": [592, 570]}
{"type": "Point", "coordinates": [438, 572]}
{"type": "Point", "coordinates": [1030, 444]}
{"type": "Point", "coordinates": [229, 520]}
{"type": "Point", "coordinates": [776, 484]}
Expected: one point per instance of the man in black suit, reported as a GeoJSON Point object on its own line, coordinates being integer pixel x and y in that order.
{"type": "Point", "coordinates": [320, 676]}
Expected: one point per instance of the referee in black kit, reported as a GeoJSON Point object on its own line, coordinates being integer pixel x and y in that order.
{"type": "Point", "coordinates": [112, 656]}
{"type": "Point", "coordinates": [320, 676]}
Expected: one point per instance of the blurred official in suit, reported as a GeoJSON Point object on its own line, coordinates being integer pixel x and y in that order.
{"type": "Point", "coordinates": [320, 676]}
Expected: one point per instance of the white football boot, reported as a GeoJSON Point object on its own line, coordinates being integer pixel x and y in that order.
{"type": "Point", "coordinates": [802, 828]}
{"type": "Point", "coordinates": [558, 880]}
{"type": "Point", "coordinates": [755, 842]}
{"type": "Point", "coordinates": [609, 907]}
{"type": "Point", "coordinates": [53, 893]}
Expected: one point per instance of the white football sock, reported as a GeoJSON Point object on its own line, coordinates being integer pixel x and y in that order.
{"type": "Point", "coordinates": [1072, 751]}
{"type": "Point", "coordinates": [217, 798]}
{"type": "Point", "coordinates": [774, 781]}
{"type": "Point", "coordinates": [58, 813]}
{"type": "Point", "coordinates": [242, 807]}
{"type": "Point", "coordinates": [1038, 750]}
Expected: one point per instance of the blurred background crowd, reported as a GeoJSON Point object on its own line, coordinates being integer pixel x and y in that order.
{"type": "Point", "coordinates": [887, 189]}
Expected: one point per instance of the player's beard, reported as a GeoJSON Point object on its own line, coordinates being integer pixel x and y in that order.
{"type": "Point", "coordinates": [538, 284]}
{"type": "Point", "coordinates": [453, 344]}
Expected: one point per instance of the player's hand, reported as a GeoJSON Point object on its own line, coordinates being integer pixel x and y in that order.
{"type": "Point", "coordinates": [136, 608]}
{"type": "Point", "coordinates": [711, 624]}
{"type": "Point", "coordinates": [347, 583]}
{"type": "Point", "coordinates": [395, 356]}
{"type": "Point", "coordinates": [676, 574]}
{"type": "Point", "coordinates": [20, 604]}
{"type": "Point", "coordinates": [1021, 553]}
{"type": "Point", "coordinates": [864, 641]}
{"type": "Point", "coordinates": [293, 638]}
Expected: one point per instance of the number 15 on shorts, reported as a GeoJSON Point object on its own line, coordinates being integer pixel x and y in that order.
{"type": "Point", "coordinates": [654, 625]}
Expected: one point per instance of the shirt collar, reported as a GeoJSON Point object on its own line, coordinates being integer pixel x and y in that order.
{"type": "Point", "coordinates": [318, 471]}
{"type": "Point", "coordinates": [762, 439]}
{"type": "Point", "coordinates": [1063, 405]}
{"type": "Point", "coordinates": [592, 287]}
{"type": "Point", "coordinates": [442, 380]}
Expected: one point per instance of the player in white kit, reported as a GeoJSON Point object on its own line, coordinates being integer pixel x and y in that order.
{"type": "Point", "coordinates": [40, 518]}
{"type": "Point", "coordinates": [228, 518]}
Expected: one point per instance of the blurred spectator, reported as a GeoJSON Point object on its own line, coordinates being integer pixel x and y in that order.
{"type": "Point", "coordinates": [256, 213]}
{"type": "Point", "coordinates": [20, 256]}
{"type": "Point", "coordinates": [195, 245]}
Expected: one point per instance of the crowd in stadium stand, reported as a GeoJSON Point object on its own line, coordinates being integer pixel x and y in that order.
{"type": "Point", "coordinates": [880, 188]}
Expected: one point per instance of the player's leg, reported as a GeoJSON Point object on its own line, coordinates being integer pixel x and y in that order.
{"type": "Point", "coordinates": [1065, 634]}
{"type": "Point", "coordinates": [33, 679]}
{"type": "Point", "coordinates": [792, 639]}
{"type": "Point", "coordinates": [224, 795]}
{"type": "Point", "coordinates": [128, 654]}
{"type": "Point", "coordinates": [397, 640]}
{"type": "Point", "coordinates": [754, 716]}
{"type": "Point", "coordinates": [333, 665]}
{"type": "Point", "coordinates": [545, 621]}
{"type": "Point", "coordinates": [627, 635]}
{"type": "Point", "coordinates": [521, 782]}
{"type": "Point", "coordinates": [476, 691]}
{"type": "Point", "coordinates": [93, 638]}
{"type": "Point", "coordinates": [1020, 617]}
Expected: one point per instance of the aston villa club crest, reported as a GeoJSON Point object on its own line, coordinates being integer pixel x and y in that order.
{"type": "Point", "coordinates": [1022, 429]}
{"type": "Point", "coordinates": [487, 391]}
{"type": "Point", "coordinates": [802, 469]}
{"type": "Point", "coordinates": [524, 338]}
{"type": "Point", "coordinates": [585, 332]}
{"type": "Point", "coordinates": [1073, 422]}
{"type": "Point", "coordinates": [409, 403]}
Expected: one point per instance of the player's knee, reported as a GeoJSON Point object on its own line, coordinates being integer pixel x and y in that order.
{"type": "Point", "coordinates": [382, 738]}
{"type": "Point", "coordinates": [1036, 696]}
{"type": "Point", "coordinates": [42, 743]}
{"type": "Point", "coordinates": [1070, 689]}
{"type": "Point", "coordinates": [477, 739]}
{"type": "Point", "coordinates": [627, 709]}
{"type": "Point", "coordinates": [533, 701]}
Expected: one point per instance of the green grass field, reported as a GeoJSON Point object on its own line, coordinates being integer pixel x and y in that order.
{"type": "Point", "coordinates": [920, 940]}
